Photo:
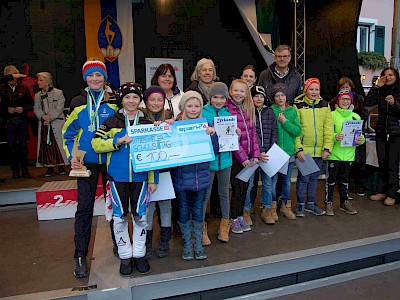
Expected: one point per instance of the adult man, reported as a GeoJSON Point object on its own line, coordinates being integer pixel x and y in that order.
{"type": "Point", "coordinates": [16, 100]}
{"type": "Point", "coordinates": [282, 70]}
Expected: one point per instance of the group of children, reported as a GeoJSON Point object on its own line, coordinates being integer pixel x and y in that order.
{"type": "Point", "coordinates": [309, 127]}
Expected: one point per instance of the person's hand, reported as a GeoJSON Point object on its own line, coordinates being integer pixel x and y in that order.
{"type": "Point", "coordinates": [359, 140]}
{"type": "Point", "coordinates": [18, 75]}
{"type": "Point", "coordinates": [126, 139]}
{"type": "Point", "coordinates": [157, 123]}
{"type": "Point", "coordinates": [210, 130]}
{"type": "Point", "coordinates": [46, 118]}
{"type": "Point", "coordinates": [381, 81]}
{"type": "Point", "coordinates": [11, 110]}
{"type": "Point", "coordinates": [151, 187]}
{"type": "Point", "coordinates": [281, 118]}
{"type": "Point", "coordinates": [75, 164]}
{"type": "Point", "coordinates": [264, 157]}
{"type": "Point", "coordinates": [19, 110]}
{"type": "Point", "coordinates": [170, 121]}
{"type": "Point", "coordinates": [389, 99]}
{"type": "Point", "coordinates": [254, 162]}
{"type": "Point", "coordinates": [245, 163]}
{"type": "Point", "coordinates": [46, 123]}
{"type": "Point", "coordinates": [301, 156]}
{"type": "Point", "coordinates": [339, 136]}
{"type": "Point", "coordinates": [325, 154]}
{"type": "Point", "coordinates": [238, 132]}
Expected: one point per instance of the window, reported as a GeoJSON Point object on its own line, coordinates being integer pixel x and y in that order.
{"type": "Point", "coordinates": [363, 38]}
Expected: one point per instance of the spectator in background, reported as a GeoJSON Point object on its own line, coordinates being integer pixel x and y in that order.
{"type": "Point", "coordinates": [202, 78]}
{"type": "Point", "coordinates": [249, 74]}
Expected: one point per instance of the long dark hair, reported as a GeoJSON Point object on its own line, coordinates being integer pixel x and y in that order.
{"type": "Point", "coordinates": [162, 70]}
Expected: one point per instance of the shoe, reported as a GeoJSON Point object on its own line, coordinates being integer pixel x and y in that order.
{"type": "Point", "coordinates": [142, 265]}
{"type": "Point", "coordinates": [273, 211]}
{"type": "Point", "coordinates": [49, 173]}
{"type": "Point", "coordinates": [313, 208]}
{"type": "Point", "coordinates": [235, 227]}
{"type": "Point", "coordinates": [347, 207]}
{"type": "Point", "coordinates": [349, 197]}
{"type": "Point", "coordinates": [223, 231]}
{"type": "Point", "coordinates": [286, 210]}
{"type": "Point", "coordinates": [187, 252]}
{"type": "Point", "coordinates": [205, 240]}
{"type": "Point", "coordinates": [360, 191]}
{"type": "Point", "coordinates": [300, 211]}
{"type": "Point", "coordinates": [15, 175]}
{"type": "Point", "coordinates": [389, 201]}
{"type": "Point", "coordinates": [163, 245]}
{"type": "Point", "coordinates": [61, 170]}
{"type": "Point", "coordinates": [329, 209]}
{"type": "Point", "coordinates": [247, 217]}
{"type": "Point", "coordinates": [266, 216]}
{"type": "Point", "coordinates": [377, 197]}
{"type": "Point", "coordinates": [199, 252]}
{"type": "Point", "coordinates": [126, 267]}
{"type": "Point", "coordinates": [80, 268]}
{"type": "Point", "coordinates": [243, 224]}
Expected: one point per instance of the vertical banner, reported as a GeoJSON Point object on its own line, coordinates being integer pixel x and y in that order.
{"type": "Point", "coordinates": [109, 37]}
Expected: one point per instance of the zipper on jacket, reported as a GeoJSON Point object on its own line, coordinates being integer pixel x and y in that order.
{"type": "Point", "coordinates": [315, 130]}
{"type": "Point", "coordinates": [261, 130]}
{"type": "Point", "coordinates": [247, 130]}
{"type": "Point", "coordinates": [219, 156]}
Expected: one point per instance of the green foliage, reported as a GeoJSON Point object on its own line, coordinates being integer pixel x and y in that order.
{"type": "Point", "coordinates": [372, 60]}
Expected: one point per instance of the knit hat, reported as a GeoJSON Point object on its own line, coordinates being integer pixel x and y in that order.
{"type": "Point", "coordinates": [218, 88]}
{"type": "Point", "coordinates": [127, 88]}
{"type": "Point", "coordinates": [309, 82]}
{"type": "Point", "coordinates": [258, 89]}
{"type": "Point", "coordinates": [345, 93]}
{"type": "Point", "coordinates": [186, 96]}
{"type": "Point", "coordinates": [279, 87]}
{"type": "Point", "coordinates": [153, 89]}
{"type": "Point", "coordinates": [94, 66]}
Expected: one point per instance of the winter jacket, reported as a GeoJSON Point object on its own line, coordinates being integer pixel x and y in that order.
{"type": "Point", "coordinates": [293, 81]}
{"type": "Point", "coordinates": [170, 104]}
{"type": "Point", "coordinates": [267, 130]}
{"type": "Point", "coordinates": [222, 160]}
{"type": "Point", "coordinates": [77, 125]}
{"type": "Point", "coordinates": [20, 97]}
{"type": "Point", "coordinates": [316, 126]}
{"type": "Point", "coordinates": [388, 115]}
{"type": "Point", "coordinates": [340, 115]}
{"type": "Point", "coordinates": [248, 142]}
{"type": "Point", "coordinates": [119, 162]}
{"type": "Point", "coordinates": [194, 86]}
{"type": "Point", "coordinates": [288, 131]}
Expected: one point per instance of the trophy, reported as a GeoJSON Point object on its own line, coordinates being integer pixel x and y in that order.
{"type": "Point", "coordinates": [79, 154]}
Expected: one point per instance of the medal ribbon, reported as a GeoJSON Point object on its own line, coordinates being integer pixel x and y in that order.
{"type": "Point", "coordinates": [90, 99]}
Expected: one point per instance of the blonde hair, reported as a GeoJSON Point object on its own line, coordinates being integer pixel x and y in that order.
{"type": "Point", "coordinates": [248, 105]}
{"type": "Point", "coordinates": [47, 77]}
{"type": "Point", "coordinates": [184, 116]}
{"type": "Point", "coordinates": [10, 70]}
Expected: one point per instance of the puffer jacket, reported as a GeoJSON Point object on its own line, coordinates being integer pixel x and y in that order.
{"type": "Point", "coordinates": [248, 143]}
{"type": "Point", "coordinates": [222, 160]}
{"type": "Point", "coordinates": [340, 115]}
{"type": "Point", "coordinates": [267, 130]}
{"type": "Point", "coordinates": [388, 115]}
{"type": "Point", "coordinates": [288, 131]}
{"type": "Point", "coordinates": [316, 126]}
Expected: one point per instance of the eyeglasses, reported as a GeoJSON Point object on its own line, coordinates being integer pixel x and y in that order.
{"type": "Point", "coordinates": [282, 56]}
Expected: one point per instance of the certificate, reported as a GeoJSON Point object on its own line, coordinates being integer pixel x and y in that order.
{"type": "Point", "coordinates": [351, 130]}
{"type": "Point", "coordinates": [225, 128]}
{"type": "Point", "coordinates": [277, 159]}
{"type": "Point", "coordinates": [164, 146]}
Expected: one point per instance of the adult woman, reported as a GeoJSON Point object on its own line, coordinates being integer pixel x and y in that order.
{"type": "Point", "coordinates": [165, 78]}
{"type": "Point", "coordinates": [358, 167]}
{"type": "Point", "coordinates": [202, 78]}
{"type": "Point", "coordinates": [386, 93]}
{"type": "Point", "coordinates": [48, 108]}
{"type": "Point", "coordinates": [249, 74]}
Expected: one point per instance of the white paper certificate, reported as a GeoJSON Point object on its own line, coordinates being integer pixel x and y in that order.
{"type": "Point", "coordinates": [351, 130]}
{"type": "Point", "coordinates": [225, 128]}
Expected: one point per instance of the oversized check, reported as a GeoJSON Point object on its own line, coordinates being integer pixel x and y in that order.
{"type": "Point", "coordinates": [164, 146]}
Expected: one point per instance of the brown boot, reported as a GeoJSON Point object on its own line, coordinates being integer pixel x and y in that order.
{"type": "Point", "coordinates": [266, 216]}
{"type": "Point", "coordinates": [205, 239]}
{"type": "Point", "coordinates": [389, 201]}
{"type": "Point", "coordinates": [286, 210]}
{"type": "Point", "coordinates": [246, 216]}
{"type": "Point", "coordinates": [377, 197]}
{"type": "Point", "coordinates": [223, 231]}
{"type": "Point", "coordinates": [274, 213]}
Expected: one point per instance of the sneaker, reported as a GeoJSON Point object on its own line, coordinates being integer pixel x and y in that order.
{"type": "Point", "coordinates": [126, 267]}
{"type": "Point", "coordinates": [329, 209]}
{"type": "Point", "coordinates": [347, 207]}
{"type": "Point", "coordinates": [236, 228]}
{"type": "Point", "coordinates": [389, 201]}
{"type": "Point", "coordinates": [80, 269]}
{"type": "Point", "coordinates": [243, 224]}
{"type": "Point", "coordinates": [349, 197]}
{"type": "Point", "coordinates": [142, 265]}
{"type": "Point", "coordinates": [200, 254]}
{"type": "Point", "coordinates": [49, 173]}
{"type": "Point", "coordinates": [377, 197]}
{"type": "Point", "coordinates": [313, 208]}
{"type": "Point", "coordinates": [360, 191]}
{"type": "Point", "coordinates": [247, 217]}
{"type": "Point", "coordinates": [299, 212]}
{"type": "Point", "coordinates": [61, 170]}
{"type": "Point", "coordinates": [187, 254]}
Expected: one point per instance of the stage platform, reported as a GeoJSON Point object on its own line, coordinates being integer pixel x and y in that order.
{"type": "Point", "coordinates": [287, 258]}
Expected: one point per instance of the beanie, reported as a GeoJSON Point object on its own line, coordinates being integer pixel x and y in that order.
{"type": "Point", "coordinates": [258, 89]}
{"type": "Point", "coordinates": [127, 88]}
{"type": "Point", "coordinates": [218, 88]}
{"type": "Point", "coordinates": [188, 95]}
{"type": "Point", "coordinates": [347, 93]}
{"type": "Point", "coordinates": [153, 89]}
{"type": "Point", "coordinates": [94, 66]}
{"type": "Point", "coordinates": [309, 82]}
{"type": "Point", "coordinates": [279, 87]}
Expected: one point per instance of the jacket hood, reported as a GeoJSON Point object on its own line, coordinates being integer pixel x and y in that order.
{"type": "Point", "coordinates": [303, 98]}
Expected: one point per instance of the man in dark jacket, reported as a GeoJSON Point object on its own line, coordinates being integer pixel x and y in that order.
{"type": "Point", "coordinates": [282, 71]}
